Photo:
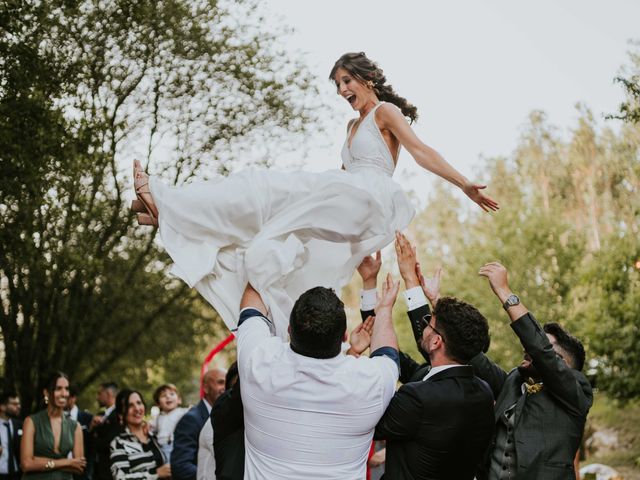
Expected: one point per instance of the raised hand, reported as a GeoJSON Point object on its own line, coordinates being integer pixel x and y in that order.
{"type": "Point", "coordinates": [430, 286]}
{"type": "Point", "coordinates": [369, 269]}
{"type": "Point", "coordinates": [497, 276]}
{"type": "Point", "coordinates": [472, 190]}
{"type": "Point", "coordinates": [388, 297]}
{"type": "Point", "coordinates": [407, 261]}
{"type": "Point", "coordinates": [360, 337]}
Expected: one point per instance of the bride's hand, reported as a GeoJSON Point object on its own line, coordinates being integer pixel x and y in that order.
{"type": "Point", "coordinates": [472, 190]}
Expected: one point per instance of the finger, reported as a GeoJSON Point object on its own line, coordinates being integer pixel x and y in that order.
{"type": "Point", "coordinates": [479, 186]}
{"type": "Point", "coordinates": [396, 288]}
{"type": "Point", "coordinates": [358, 328]}
{"type": "Point", "coordinates": [378, 256]}
{"type": "Point", "coordinates": [483, 207]}
{"type": "Point", "coordinates": [418, 270]}
{"type": "Point", "coordinates": [439, 273]}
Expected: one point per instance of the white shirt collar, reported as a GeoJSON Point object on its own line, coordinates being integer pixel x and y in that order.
{"type": "Point", "coordinates": [73, 413]}
{"type": "Point", "coordinates": [208, 405]}
{"type": "Point", "coordinates": [108, 411]}
{"type": "Point", "coordinates": [438, 369]}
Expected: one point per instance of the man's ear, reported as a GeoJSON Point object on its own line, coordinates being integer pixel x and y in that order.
{"type": "Point", "coordinates": [345, 337]}
{"type": "Point", "coordinates": [289, 329]}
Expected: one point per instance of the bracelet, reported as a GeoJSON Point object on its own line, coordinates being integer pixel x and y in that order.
{"type": "Point", "coordinates": [50, 465]}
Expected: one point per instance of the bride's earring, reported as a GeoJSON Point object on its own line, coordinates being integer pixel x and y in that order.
{"type": "Point", "coordinates": [46, 400]}
{"type": "Point", "coordinates": [370, 84]}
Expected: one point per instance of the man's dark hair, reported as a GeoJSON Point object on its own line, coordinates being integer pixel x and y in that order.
{"type": "Point", "coordinates": [318, 323]}
{"type": "Point", "coordinates": [568, 343]}
{"type": "Point", "coordinates": [113, 386]}
{"type": "Point", "coordinates": [464, 328]}
{"type": "Point", "coordinates": [73, 390]}
{"type": "Point", "coordinates": [5, 396]}
{"type": "Point", "coordinates": [231, 376]}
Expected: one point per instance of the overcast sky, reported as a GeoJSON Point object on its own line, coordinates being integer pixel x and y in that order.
{"type": "Point", "coordinates": [474, 68]}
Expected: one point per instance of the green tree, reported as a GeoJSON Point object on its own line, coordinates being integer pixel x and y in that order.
{"type": "Point", "coordinates": [187, 86]}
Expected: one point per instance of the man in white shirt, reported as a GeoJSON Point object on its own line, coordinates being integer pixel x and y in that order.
{"type": "Point", "coordinates": [309, 409]}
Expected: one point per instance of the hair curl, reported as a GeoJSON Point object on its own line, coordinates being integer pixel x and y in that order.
{"type": "Point", "coordinates": [464, 328]}
{"type": "Point", "coordinates": [364, 70]}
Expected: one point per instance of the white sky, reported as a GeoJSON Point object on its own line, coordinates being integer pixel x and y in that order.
{"type": "Point", "coordinates": [474, 68]}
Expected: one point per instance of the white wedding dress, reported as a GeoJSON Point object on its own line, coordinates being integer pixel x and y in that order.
{"type": "Point", "coordinates": [284, 232]}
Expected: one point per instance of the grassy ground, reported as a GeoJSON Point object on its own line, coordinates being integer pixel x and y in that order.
{"type": "Point", "coordinates": [624, 419]}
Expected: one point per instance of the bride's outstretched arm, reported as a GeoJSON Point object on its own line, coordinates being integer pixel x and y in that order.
{"type": "Point", "coordinates": [392, 119]}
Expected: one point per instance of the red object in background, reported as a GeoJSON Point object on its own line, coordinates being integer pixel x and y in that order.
{"type": "Point", "coordinates": [372, 450]}
{"type": "Point", "coordinates": [214, 351]}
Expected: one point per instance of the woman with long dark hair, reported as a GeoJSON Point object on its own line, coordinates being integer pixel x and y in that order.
{"type": "Point", "coordinates": [135, 453]}
{"type": "Point", "coordinates": [285, 232]}
{"type": "Point", "coordinates": [48, 437]}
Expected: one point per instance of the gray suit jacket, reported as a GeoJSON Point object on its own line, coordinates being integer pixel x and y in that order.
{"type": "Point", "coordinates": [548, 424]}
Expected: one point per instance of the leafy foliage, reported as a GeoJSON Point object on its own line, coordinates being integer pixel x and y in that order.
{"type": "Point", "coordinates": [568, 234]}
{"type": "Point", "coordinates": [83, 85]}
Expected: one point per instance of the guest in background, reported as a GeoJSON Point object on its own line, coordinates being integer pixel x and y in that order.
{"type": "Point", "coordinates": [167, 398]}
{"type": "Point", "coordinates": [227, 420]}
{"type": "Point", "coordinates": [10, 433]}
{"type": "Point", "coordinates": [84, 419]}
{"type": "Point", "coordinates": [184, 457]}
{"type": "Point", "coordinates": [135, 453]}
{"type": "Point", "coordinates": [104, 427]}
{"type": "Point", "coordinates": [49, 437]}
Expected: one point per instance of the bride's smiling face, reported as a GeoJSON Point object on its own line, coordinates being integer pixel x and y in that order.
{"type": "Point", "coordinates": [352, 90]}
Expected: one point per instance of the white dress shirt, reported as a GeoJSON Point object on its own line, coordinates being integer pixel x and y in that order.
{"type": "Point", "coordinates": [306, 417]}
{"type": "Point", "coordinates": [206, 459]}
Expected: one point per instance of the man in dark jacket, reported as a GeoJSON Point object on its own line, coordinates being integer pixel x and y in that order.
{"type": "Point", "coordinates": [184, 457]}
{"type": "Point", "coordinates": [542, 405]}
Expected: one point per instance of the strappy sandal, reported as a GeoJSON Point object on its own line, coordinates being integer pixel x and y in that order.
{"type": "Point", "coordinates": [141, 186]}
{"type": "Point", "coordinates": [146, 219]}
{"type": "Point", "coordinates": [137, 207]}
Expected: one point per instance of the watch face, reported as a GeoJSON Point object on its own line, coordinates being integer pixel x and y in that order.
{"type": "Point", "coordinates": [513, 300]}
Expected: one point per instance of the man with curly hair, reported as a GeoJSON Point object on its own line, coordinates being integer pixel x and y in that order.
{"type": "Point", "coordinates": [440, 425]}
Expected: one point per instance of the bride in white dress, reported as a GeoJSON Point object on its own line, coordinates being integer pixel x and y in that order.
{"type": "Point", "coordinates": [286, 232]}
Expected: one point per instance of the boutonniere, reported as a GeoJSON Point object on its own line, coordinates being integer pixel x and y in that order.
{"type": "Point", "coordinates": [532, 387]}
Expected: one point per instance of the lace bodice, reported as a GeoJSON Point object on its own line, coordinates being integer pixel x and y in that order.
{"type": "Point", "coordinates": [368, 150]}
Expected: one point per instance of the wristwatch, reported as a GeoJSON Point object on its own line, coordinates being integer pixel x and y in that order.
{"type": "Point", "coordinates": [512, 300]}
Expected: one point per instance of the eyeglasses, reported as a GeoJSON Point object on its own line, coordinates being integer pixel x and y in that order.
{"type": "Point", "coordinates": [426, 322]}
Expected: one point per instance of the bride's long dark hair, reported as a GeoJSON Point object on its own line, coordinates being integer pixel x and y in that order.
{"type": "Point", "coordinates": [365, 70]}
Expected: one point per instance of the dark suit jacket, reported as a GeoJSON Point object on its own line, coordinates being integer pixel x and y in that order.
{"type": "Point", "coordinates": [228, 434]}
{"type": "Point", "coordinates": [84, 419]}
{"type": "Point", "coordinates": [16, 437]}
{"type": "Point", "coordinates": [438, 428]}
{"type": "Point", "coordinates": [548, 424]}
{"type": "Point", "coordinates": [184, 456]}
{"type": "Point", "coordinates": [101, 439]}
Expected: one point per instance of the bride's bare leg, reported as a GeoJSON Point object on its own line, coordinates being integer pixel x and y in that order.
{"type": "Point", "coordinates": [141, 185]}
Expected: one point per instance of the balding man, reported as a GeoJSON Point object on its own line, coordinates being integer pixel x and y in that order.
{"type": "Point", "coordinates": [184, 457]}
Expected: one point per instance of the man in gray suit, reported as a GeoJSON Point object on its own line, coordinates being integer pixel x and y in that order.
{"type": "Point", "coordinates": [541, 406]}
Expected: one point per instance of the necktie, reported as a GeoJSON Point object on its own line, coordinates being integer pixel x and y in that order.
{"type": "Point", "coordinates": [12, 467]}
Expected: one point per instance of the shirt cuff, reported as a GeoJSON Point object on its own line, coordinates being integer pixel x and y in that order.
{"type": "Point", "coordinates": [368, 299]}
{"type": "Point", "coordinates": [247, 313]}
{"type": "Point", "coordinates": [388, 352]}
{"type": "Point", "coordinates": [415, 298]}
